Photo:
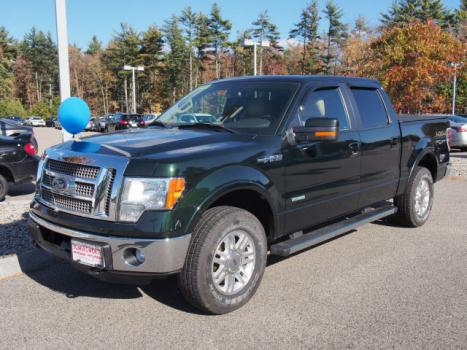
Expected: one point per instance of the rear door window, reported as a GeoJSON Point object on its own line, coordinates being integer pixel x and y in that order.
{"type": "Point", "coordinates": [371, 108]}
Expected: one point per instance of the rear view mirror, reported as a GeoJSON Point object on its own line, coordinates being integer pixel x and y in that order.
{"type": "Point", "coordinates": [316, 130]}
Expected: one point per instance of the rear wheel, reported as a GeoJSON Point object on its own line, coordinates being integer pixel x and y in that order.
{"type": "Point", "coordinates": [414, 206]}
{"type": "Point", "coordinates": [3, 187]}
{"type": "Point", "coordinates": [226, 260]}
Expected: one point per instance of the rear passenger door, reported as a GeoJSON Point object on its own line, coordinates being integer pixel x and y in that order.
{"type": "Point", "coordinates": [380, 146]}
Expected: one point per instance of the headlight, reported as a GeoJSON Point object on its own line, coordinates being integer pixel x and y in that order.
{"type": "Point", "coordinates": [140, 194]}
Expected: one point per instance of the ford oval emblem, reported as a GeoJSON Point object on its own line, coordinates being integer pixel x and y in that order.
{"type": "Point", "coordinates": [59, 184]}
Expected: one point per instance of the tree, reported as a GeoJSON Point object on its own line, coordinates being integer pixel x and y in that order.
{"type": "Point", "coordinates": [176, 60]}
{"type": "Point", "coordinates": [405, 11]}
{"type": "Point", "coordinates": [336, 35]}
{"type": "Point", "coordinates": [220, 29]}
{"type": "Point", "coordinates": [11, 107]}
{"type": "Point", "coordinates": [152, 58]}
{"type": "Point", "coordinates": [124, 48]}
{"type": "Point", "coordinates": [40, 53]}
{"type": "Point", "coordinates": [202, 42]}
{"type": "Point", "coordinates": [412, 62]}
{"type": "Point", "coordinates": [361, 27]}
{"type": "Point", "coordinates": [264, 30]}
{"type": "Point", "coordinates": [7, 57]}
{"type": "Point", "coordinates": [95, 46]}
{"type": "Point", "coordinates": [188, 21]}
{"type": "Point", "coordinates": [307, 31]}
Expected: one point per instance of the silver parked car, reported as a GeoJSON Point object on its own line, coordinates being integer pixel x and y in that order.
{"type": "Point", "coordinates": [458, 132]}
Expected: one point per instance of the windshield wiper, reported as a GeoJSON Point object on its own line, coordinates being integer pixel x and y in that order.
{"type": "Point", "coordinates": [210, 126]}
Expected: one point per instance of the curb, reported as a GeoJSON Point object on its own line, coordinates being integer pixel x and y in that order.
{"type": "Point", "coordinates": [35, 260]}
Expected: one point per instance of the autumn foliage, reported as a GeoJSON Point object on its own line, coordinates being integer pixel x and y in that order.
{"type": "Point", "coordinates": [412, 62]}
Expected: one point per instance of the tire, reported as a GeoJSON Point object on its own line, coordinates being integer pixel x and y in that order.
{"type": "Point", "coordinates": [3, 188]}
{"type": "Point", "coordinates": [197, 280]}
{"type": "Point", "coordinates": [413, 208]}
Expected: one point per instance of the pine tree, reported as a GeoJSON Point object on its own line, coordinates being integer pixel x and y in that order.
{"type": "Point", "coordinates": [188, 21]}
{"type": "Point", "coordinates": [361, 27]}
{"type": "Point", "coordinates": [95, 46]}
{"type": "Point", "coordinates": [151, 57]}
{"type": "Point", "coordinates": [307, 31]}
{"type": "Point", "coordinates": [264, 30]}
{"type": "Point", "coordinates": [176, 59]}
{"type": "Point", "coordinates": [7, 56]}
{"type": "Point", "coordinates": [406, 11]}
{"type": "Point", "coordinates": [336, 35]}
{"type": "Point", "coordinates": [220, 29]}
{"type": "Point", "coordinates": [40, 52]}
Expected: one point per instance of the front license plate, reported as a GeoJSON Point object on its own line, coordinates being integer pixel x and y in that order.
{"type": "Point", "coordinates": [87, 254]}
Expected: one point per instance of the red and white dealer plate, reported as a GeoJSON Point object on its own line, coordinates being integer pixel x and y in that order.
{"type": "Point", "coordinates": [87, 254]}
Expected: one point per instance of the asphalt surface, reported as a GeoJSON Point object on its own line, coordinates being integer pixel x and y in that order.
{"type": "Point", "coordinates": [378, 287]}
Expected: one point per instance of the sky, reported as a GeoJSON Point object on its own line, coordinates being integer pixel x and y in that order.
{"type": "Point", "coordinates": [103, 17]}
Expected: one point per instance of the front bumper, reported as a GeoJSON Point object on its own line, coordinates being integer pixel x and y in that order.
{"type": "Point", "coordinates": [163, 256]}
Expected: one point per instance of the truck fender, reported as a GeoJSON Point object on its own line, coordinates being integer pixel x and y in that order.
{"type": "Point", "coordinates": [224, 181]}
{"type": "Point", "coordinates": [428, 150]}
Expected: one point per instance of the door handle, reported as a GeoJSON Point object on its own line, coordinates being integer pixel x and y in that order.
{"type": "Point", "coordinates": [394, 141]}
{"type": "Point", "coordinates": [354, 148]}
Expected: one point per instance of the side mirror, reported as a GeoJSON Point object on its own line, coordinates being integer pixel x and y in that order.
{"type": "Point", "coordinates": [316, 130]}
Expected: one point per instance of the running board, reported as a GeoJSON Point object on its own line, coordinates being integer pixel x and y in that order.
{"type": "Point", "coordinates": [318, 236]}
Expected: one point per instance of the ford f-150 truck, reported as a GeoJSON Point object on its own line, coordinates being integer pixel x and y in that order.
{"type": "Point", "coordinates": [237, 169]}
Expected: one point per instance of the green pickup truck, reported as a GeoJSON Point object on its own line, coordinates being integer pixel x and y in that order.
{"type": "Point", "coordinates": [236, 170]}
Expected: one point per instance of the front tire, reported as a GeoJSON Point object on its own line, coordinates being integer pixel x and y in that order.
{"type": "Point", "coordinates": [414, 206]}
{"type": "Point", "coordinates": [226, 260]}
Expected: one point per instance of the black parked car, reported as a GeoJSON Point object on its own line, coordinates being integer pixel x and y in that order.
{"type": "Point", "coordinates": [18, 160]}
{"type": "Point", "coordinates": [9, 127]}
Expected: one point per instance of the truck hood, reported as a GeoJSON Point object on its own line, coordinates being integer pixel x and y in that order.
{"type": "Point", "coordinates": [157, 143]}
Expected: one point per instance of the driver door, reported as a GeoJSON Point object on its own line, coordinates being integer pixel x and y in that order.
{"type": "Point", "coordinates": [322, 178]}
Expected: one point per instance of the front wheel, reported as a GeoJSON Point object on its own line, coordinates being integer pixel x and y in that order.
{"type": "Point", "coordinates": [414, 206]}
{"type": "Point", "coordinates": [225, 261]}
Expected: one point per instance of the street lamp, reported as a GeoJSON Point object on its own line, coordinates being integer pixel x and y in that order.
{"type": "Point", "coordinates": [454, 65]}
{"type": "Point", "coordinates": [133, 69]}
{"type": "Point", "coordinates": [251, 42]}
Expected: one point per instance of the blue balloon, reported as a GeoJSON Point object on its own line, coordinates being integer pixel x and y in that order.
{"type": "Point", "coordinates": [74, 115]}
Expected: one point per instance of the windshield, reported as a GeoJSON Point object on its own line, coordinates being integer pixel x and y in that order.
{"type": "Point", "coordinates": [243, 106]}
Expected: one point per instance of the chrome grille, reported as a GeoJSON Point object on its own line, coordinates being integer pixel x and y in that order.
{"type": "Point", "coordinates": [84, 189]}
{"type": "Point", "coordinates": [79, 189]}
{"type": "Point", "coordinates": [73, 169]}
{"type": "Point", "coordinates": [65, 202]}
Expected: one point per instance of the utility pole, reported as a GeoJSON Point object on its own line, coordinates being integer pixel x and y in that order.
{"type": "Point", "coordinates": [133, 83]}
{"type": "Point", "coordinates": [250, 42]}
{"type": "Point", "coordinates": [455, 65]}
{"type": "Point", "coordinates": [63, 62]}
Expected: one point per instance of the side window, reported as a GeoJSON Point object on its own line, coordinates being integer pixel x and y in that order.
{"type": "Point", "coordinates": [370, 105]}
{"type": "Point", "coordinates": [322, 103]}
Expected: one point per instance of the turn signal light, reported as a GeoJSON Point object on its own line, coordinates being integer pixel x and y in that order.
{"type": "Point", "coordinates": [176, 188]}
{"type": "Point", "coordinates": [325, 134]}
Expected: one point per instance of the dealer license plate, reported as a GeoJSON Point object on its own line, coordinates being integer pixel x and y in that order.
{"type": "Point", "coordinates": [87, 254]}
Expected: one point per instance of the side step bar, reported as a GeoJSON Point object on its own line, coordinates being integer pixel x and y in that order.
{"type": "Point", "coordinates": [318, 236]}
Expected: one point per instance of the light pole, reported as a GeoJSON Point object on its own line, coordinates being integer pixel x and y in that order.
{"type": "Point", "coordinates": [455, 65]}
{"type": "Point", "coordinates": [63, 63]}
{"type": "Point", "coordinates": [133, 82]}
{"type": "Point", "coordinates": [251, 42]}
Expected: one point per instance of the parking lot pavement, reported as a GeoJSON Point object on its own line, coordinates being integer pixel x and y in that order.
{"type": "Point", "coordinates": [378, 287]}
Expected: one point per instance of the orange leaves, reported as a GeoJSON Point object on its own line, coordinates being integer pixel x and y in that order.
{"type": "Point", "coordinates": [412, 61]}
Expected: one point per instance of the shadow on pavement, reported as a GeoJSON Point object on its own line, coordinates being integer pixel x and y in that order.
{"type": "Point", "coordinates": [21, 189]}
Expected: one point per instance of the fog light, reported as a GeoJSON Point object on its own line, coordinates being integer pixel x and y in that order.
{"type": "Point", "coordinates": [134, 256]}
